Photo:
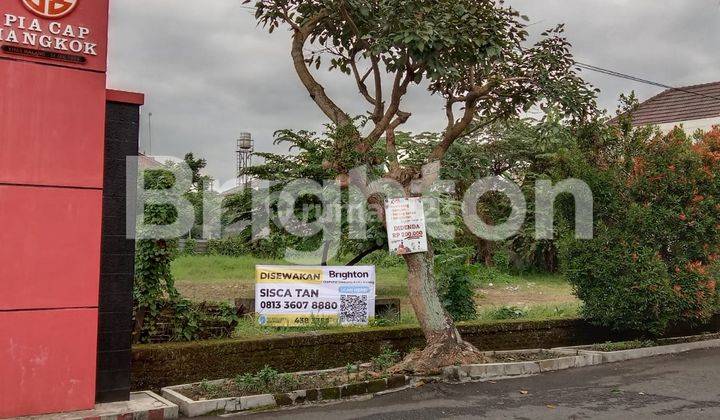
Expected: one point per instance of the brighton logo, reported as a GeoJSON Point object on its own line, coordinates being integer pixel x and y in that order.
{"type": "Point", "coordinates": [52, 9]}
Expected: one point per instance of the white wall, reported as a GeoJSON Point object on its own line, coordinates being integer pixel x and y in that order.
{"type": "Point", "coordinates": [691, 126]}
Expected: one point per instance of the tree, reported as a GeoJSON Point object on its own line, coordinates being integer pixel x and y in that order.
{"type": "Point", "coordinates": [470, 52]}
{"type": "Point", "coordinates": [654, 259]}
{"type": "Point", "coordinates": [200, 185]}
{"type": "Point", "coordinates": [199, 182]}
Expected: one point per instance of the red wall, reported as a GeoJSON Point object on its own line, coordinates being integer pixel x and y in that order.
{"type": "Point", "coordinates": [53, 125]}
{"type": "Point", "coordinates": [44, 361]}
{"type": "Point", "coordinates": [52, 117]}
{"type": "Point", "coordinates": [50, 249]}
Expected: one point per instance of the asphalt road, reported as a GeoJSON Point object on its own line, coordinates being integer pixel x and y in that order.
{"type": "Point", "coordinates": [685, 386]}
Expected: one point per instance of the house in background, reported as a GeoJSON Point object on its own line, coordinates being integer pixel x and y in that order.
{"type": "Point", "coordinates": [693, 107]}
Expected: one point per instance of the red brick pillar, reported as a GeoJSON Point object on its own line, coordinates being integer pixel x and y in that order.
{"type": "Point", "coordinates": [52, 117]}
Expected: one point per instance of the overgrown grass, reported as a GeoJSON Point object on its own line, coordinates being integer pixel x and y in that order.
{"type": "Point", "coordinates": [221, 269]}
{"type": "Point", "coordinates": [216, 271]}
{"type": "Point", "coordinates": [530, 313]}
{"type": "Point", "coordinates": [216, 268]}
{"type": "Point", "coordinates": [624, 345]}
{"type": "Point", "coordinates": [490, 276]}
{"type": "Point", "coordinates": [391, 281]}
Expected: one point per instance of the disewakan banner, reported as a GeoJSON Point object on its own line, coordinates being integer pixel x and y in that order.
{"type": "Point", "coordinates": [293, 296]}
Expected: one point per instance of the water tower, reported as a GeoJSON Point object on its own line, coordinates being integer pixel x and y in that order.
{"type": "Point", "coordinates": [245, 150]}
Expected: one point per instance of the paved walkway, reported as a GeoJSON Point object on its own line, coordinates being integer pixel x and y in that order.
{"type": "Point", "coordinates": [685, 386]}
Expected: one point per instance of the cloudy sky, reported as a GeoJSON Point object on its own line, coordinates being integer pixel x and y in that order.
{"type": "Point", "coordinates": [210, 73]}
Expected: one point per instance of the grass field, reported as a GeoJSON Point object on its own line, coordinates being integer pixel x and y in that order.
{"type": "Point", "coordinates": [499, 295]}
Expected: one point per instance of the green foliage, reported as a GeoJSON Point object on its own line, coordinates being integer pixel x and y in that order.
{"type": "Point", "coordinates": [509, 312]}
{"type": "Point", "coordinates": [236, 246]}
{"type": "Point", "coordinates": [308, 162]}
{"type": "Point", "coordinates": [155, 298]}
{"type": "Point", "coordinates": [455, 275]}
{"type": "Point", "coordinates": [200, 186]}
{"type": "Point", "coordinates": [622, 286]}
{"type": "Point", "coordinates": [624, 345]}
{"type": "Point", "coordinates": [539, 312]}
{"type": "Point", "coordinates": [653, 261]}
{"type": "Point", "coordinates": [384, 259]}
{"type": "Point", "coordinates": [267, 380]}
{"type": "Point", "coordinates": [493, 275]}
{"type": "Point", "coordinates": [210, 390]}
{"type": "Point", "coordinates": [153, 279]}
{"type": "Point", "coordinates": [453, 47]}
{"type": "Point", "coordinates": [189, 247]}
{"type": "Point", "coordinates": [387, 358]}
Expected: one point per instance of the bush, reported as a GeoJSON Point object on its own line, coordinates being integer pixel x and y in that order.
{"type": "Point", "coordinates": [653, 261]}
{"type": "Point", "coordinates": [189, 247]}
{"type": "Point", "coordinates": [384, 259]}
{"type": "Point", "coordinates": [231, 247]}
{"type": "Point", "coordinates": [455, 279]}
{"type": "Point", "coordinates": [385, 360]}
{"type": "Point", "coordinates": [272, 247]}
{"type": "Point", "coordinates": [622, 286]}
{"type": "Point", "coordinates": [509, 312]}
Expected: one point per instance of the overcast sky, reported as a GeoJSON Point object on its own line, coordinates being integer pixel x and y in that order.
{"type": "Point", "coordinates": [209, 73]}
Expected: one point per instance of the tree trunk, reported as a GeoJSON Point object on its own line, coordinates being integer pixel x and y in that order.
{"type": "Point", "coordinates": [444, 346]}
{"type": "Point", "coordinates": [139, 324]}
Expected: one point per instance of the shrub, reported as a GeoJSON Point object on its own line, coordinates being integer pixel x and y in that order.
{"type": "Point", "coordinates": [386, 359]}
{"type": "Point", "coordinates": [235, 246]}
{"type": "Point", "coordinates": [621, 285]}
{"type": "Point", "coordinates": [653, 261]}
{"type": "Point", "coordinates": [508, 312]}
{"type": "Point", "coordinates": [384, 259]}
{"type": "Point", "coordinates": [231, 247]}
{"type": "Point", "coordinates": [189, 247]}
{"type": "Point", "coordinates": [267, 380]}
{"type": "Point", "coordinates": [455, 279]}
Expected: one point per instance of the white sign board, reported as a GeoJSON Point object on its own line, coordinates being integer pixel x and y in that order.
{"type": "Point", "coordinates": [407, 233]}
{"type": "Point", "coordinates": [300, 296]}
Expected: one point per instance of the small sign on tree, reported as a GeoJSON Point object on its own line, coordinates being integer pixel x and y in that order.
{"type": "Point", "coordinates": [406, 229]}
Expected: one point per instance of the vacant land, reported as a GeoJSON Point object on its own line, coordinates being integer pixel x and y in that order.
{"type": "Point", "coordinates": [499, 295]}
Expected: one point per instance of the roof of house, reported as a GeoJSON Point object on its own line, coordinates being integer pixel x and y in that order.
{"type": "Point", "coordinates": [146, 161]}
{"type": "Point", "coordinates": [680, 104]}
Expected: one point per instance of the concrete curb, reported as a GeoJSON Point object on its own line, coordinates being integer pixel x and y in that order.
{"type": "Point", "coordinates": [570, 359]}
{"type": "Point", "coordinates": [192, 408]}
{"type": "Point", "coordinates": [623, 355]}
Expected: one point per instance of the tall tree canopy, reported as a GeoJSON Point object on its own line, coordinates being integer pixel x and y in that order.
{"type": "Point", "coordinates": [473, 53]}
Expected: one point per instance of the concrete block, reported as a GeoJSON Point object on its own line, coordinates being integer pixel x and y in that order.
{"type": "Point", "coordinates": [531, 368]}
{"type": "Point", "coordinates": [257, 401]}
{"type": "Point", "coordinates": [477, 371]}
{"type": "Point", "coordinates": [514, 369]}
{"type": "Point", "coordinates": [557, 364]}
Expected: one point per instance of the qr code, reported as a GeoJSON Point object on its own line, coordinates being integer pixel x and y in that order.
{"type": "Point", "coordinates": [353, 309]}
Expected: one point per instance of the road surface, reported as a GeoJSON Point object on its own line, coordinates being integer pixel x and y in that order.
{"type": "Point", "coordinates": [685, 386]}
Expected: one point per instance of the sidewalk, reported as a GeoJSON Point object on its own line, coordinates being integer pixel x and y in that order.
{"type": "Point", "coordinates": [677, 386]}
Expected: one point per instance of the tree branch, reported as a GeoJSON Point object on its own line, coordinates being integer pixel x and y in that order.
{"type": "Point", "coordinates": [315, 89]}
{"type": "Point", "coordinates": [360, 81]}
{"type": "Point", "coordinates": [364, 254]}
{"type": "Point", "coordinates": [391, 146]}
{"type": "Point", "coordinates": [455, 129]}
{"type": "Point", "coordinates": [403, 77]}
{"type": "Point", "coordinates": [377, 101]}
{"type": "Point", "coordinates": [379, 105]}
